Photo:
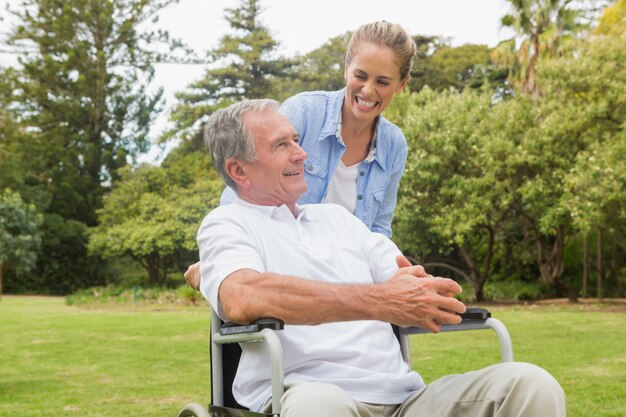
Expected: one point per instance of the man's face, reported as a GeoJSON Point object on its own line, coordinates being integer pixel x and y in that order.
{"type": "Point", "coordinates": [276, 176]}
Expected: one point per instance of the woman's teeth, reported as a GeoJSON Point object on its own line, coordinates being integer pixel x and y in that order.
{"type": "Point", "coordinates": [365, 103]}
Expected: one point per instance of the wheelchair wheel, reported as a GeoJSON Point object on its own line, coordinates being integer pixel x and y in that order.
{"type": "Point", "coordinates": [193, 410]}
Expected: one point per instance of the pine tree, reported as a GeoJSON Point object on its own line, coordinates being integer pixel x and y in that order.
{"type": "Point", "coordinates": [243, 66]}
{"type": "Point", "coordinates": [80, 94]}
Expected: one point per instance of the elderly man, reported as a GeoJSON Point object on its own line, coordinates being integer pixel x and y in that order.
{"type": "Point", "coordinates": [336, 285]}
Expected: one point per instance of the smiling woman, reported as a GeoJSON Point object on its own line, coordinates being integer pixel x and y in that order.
{"type": "Point", "coordinates": [344, 131]}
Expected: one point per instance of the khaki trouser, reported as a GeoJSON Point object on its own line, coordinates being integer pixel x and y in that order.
{"type": "Point", "coordinates": [504, 390]}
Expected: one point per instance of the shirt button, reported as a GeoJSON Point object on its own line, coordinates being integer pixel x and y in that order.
{"type": "Point", "coordinates": [309, 168]}
{"type": "Point", "coordinates": [360, 197]}
{"type": "Point", "coordinates": [362, 173]}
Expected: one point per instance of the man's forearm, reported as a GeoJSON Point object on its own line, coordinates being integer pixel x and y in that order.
{"type": "Point", "coordinates": [248, 295]}
{"type": "Point", "coordinates": [406, 299]}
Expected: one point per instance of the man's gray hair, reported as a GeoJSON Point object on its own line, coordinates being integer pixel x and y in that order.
{"type": "Point", "coordinates": [226, 135]}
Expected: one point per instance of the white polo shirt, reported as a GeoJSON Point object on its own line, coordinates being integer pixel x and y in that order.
{"type": "Point", "coordinates": [324, 243]}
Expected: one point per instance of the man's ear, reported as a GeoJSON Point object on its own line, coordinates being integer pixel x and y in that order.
{"type": "Point", "coordinates": [236, 171]}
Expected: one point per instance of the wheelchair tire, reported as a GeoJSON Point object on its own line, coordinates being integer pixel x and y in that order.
{"type": "Point", "coordinates": [193, 410]}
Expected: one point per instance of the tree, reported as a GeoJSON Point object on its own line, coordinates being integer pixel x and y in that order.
{"type": "Point", "coordinates": [320, 69]}
{"type": "Point", "coordinates": [594, 89]}
{"type": "Point", "coordinates": [522, 177]}
{"type": "Point", "coordinates": [482, 173]}
{"type": "Point", "coordinates": [242, 66]}
{"type": "Point", "coordinates": [455, 183]}
{"type": "Point", "coordinates": [19, 234]}
{"type": "Point", "coordinates": [81, 97]}
{"type": "Point", "coordinates": [152, 214]}
{"type": "Point", "coordinates": [567, 159]}
{"type": "Point", "coordinates": [539, 25]}
{"type": "Point", "coordinates": [612, 22]}
{"type": "Point", "coordinates": [10, 174]}
{"type": "Point", "coordinates": [82, 90]}
{"type": "Point", "coordinates": [20, 161]}
{"type": "Point", "coordinates": [441, 66]}
{"type": "Point", "coordinates": [590, 87]}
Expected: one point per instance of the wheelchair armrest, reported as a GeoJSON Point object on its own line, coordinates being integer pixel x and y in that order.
{"type": "Point", "coordinates": [475, 318]}
{"type": "Point", "coordinates": [256, 326]}
{"type": "Point", "coordinates": [476, 313]}
{"type": "Point", "coordinates": [262, 330]}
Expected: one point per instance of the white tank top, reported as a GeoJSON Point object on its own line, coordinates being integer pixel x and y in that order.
{"type": "Point", "coordinates": [342, 188]}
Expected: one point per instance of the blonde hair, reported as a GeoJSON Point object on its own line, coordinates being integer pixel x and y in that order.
{"type": "Point", "coordinates": [386, 34]}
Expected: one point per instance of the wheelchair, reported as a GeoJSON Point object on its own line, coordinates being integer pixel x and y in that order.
{"type": "Point", "coordinates": [226, 351]}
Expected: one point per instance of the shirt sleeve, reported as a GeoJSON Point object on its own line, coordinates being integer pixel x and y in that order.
{"type": "Point", "coordinates": [225, 247]}
{"type": "Point", "coordinates": [382, 254]}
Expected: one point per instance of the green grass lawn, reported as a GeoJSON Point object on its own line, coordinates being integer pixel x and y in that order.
{"type": "Point", "coordinates": [57, 360]}
{"type": "Point", "coordinates": [583, 347]}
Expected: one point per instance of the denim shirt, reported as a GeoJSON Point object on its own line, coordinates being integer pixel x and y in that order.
{"type": "Point", "coordinates": [315, 116]}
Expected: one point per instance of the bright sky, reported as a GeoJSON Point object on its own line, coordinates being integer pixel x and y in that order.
{"type": "Point", "coordinates": [301, 26]}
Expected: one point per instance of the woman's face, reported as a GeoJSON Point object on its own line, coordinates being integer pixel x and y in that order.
{"type": "Point", "coordinates": [372, 78]}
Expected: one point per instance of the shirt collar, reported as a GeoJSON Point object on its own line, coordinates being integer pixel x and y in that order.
{"type": "Point", "coordinates": [277, 212]}
{"type": "Point", "coordinates": [378, 147]}
{"type": "Point", "coordinates": [333, 114]}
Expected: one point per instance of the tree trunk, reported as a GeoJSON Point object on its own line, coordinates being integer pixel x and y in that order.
{"type": "Point", "coordinates": [599, 263]}
{"type": "Point", "coordinates": [476, 279]}
{"type": "Point", "coordinates": [529, 86]}
{"type": "Point", "coordinates": [154, 269]}
{"type": "Point", "coordinates": [479, 291]}
{"type": "Point", "coordinates": [550, 260]}
{"type": "Point", "coordinates": [614, 271]}
{"type": "Point", "coordinates": [585, 263]}
{"type": "Point", "coordinates": [162, 270]}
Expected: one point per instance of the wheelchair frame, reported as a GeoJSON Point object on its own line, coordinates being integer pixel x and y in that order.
{"type": "Point", "coordinates": [266, 332]}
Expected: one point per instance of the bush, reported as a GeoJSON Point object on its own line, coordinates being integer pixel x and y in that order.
{"type": "Point", "coordinates": [113, 294]}
{"type": "Point", "coordinates": [187, 293]}
{"type": "Point", "coordinates": [507, 291]}
{"type": "Point", "coordinates": [516, 291]}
